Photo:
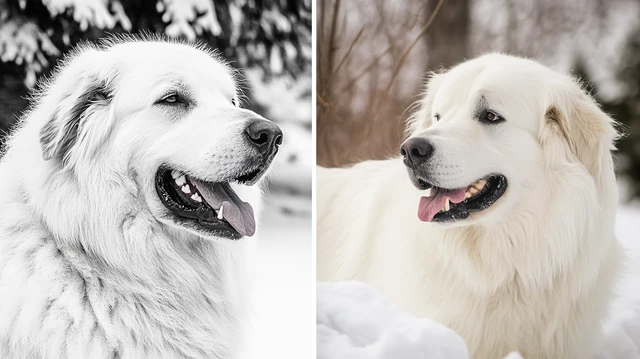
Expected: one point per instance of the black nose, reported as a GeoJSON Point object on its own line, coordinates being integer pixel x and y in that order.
{"type": "Point", "coordinates": [416, 151]}
{"type": "Point", "coordinates": [265, 135]}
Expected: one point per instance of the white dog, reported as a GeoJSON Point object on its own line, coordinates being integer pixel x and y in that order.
{"type": "Point", "coordinates": [511, 176]}
{"type": "Point", "coordinates": [122, 194]}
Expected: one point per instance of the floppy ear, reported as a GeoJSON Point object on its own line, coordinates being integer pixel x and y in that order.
{"type": "Point", "coordinates": [77, 93]}
{"type": "Point", "coordinates": [421, 119]}
{"type": "Point", "coordinates": [588, 131]}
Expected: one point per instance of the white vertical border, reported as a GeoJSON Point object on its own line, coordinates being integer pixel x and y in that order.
{"type": "Point", "coordinates": [314, 127]}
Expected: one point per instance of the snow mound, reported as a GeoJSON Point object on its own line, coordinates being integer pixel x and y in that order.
{"type": "Point", "coordinates": [622, 331]}
{"type": "Point", "coordinates": [514, 355]}
{"type": "Point", "coordinates": [354, 321]}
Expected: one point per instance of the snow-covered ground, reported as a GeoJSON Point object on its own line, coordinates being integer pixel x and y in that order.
{"type": "Point", "coordinates": [285, 280]}
{"type": "Point", "coordinates": [622, 332]}
{"type": "Point", "coordinates": [355, 321]}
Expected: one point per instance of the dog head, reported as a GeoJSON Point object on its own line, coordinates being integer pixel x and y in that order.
{"type": "Point", "coordinates": [493, 130]}
{"type": "Point", "coordinates": [161, 121]}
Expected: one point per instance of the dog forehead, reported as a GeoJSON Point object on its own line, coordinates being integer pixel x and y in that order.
{"type": "Point", "coordinates": [497, 73]}
{"type": "Point", "coordinates": [165, 60]}
{"type": "Point", "coordinates": [517, 88]}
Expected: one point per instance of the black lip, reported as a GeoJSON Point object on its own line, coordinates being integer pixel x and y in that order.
{"type": "Point", "coordinates": [188, 213]}
{"type": "Point", "coordinates": [494, 189]}
{"type": "Point", "coordinates": [258, 168]}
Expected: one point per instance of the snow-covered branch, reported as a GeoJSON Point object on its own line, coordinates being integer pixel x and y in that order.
{"type": "Point", "coordinates": [23, 42]}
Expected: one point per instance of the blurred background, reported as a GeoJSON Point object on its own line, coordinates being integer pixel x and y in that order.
{"type": "Point", "coordinates": [270, 42]}
{"type": "Point", "coordinates": [373, 56]}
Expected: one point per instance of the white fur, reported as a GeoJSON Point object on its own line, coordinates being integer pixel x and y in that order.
{"type": "Point", "coordinates": [91, 266]}
{"type": "Point", "coordinates": [534, 272]}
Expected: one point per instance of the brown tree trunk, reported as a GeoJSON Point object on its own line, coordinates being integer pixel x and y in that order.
{"type": "Point", "coordinates": [448, 36]}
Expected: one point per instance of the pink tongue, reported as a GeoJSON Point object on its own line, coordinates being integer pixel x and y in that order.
{"type": "Point", "coordinates": [429, 206]}
{"type": "Point", "coordinates": [239, 214]}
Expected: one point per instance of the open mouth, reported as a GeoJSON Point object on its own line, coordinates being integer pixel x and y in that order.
{"type": "Point", "coordinates": [443, 205]}
{"type": "Point", "coordinates": [210, 207]}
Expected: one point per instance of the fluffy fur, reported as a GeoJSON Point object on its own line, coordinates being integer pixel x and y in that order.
{"type": "Point", "coordinates": [90, 264]}
{"type": "Point", "coordinates": [534, 272]}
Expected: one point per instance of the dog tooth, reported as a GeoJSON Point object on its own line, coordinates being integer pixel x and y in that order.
{"type": "Point", "coordinates": [446, 205]}
{"type": "Point", "coordinates": [480, 184]}
{"type": "Point", "coordinates": [175, 174]}
{"type": "Point", "coordinates": [186, 188]}
{"type": "Point", "coordinates": [196, 197]}
{"type": "Point", "coordinates": [473, 190]}
{"type": "Point", "coordinates": [427, 193]}
{"type": "Point", "coordinates": [467, 195]}
{"type": "Point", "coordinates": [220, 212]}
{"type": "Point", "coordinates": [181, 180]}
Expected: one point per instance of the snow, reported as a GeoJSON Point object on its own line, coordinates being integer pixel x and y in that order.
{"type": "Point", "coordinates": [355, 321]}
{"type": "Point", "coordinates": [90, 12]}
{"type": "Point", "coordinates": [285, 280]}
{"type": "Point", "coordinates": [622, 332]}
{"type": "Point", "coordinates": [185, 19]}
{"type": "Point", "coordinates": [513, 355]}
{"type": "Point", "coordinates": [22, 41]}
{"type": "Point", "coordinates": [276, 60]}
{"type": "Point", "coordinates": [346, 327]}
{"type": "Point", "coordinates": [293, 97]}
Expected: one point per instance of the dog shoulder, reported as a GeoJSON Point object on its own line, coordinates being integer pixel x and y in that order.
{"type": "Point", "coordinates": [44, 304]}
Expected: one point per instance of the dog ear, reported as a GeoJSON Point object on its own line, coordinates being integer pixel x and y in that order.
{"type": "Point", "coordinates": [77, 93]}
{"type": "Point", "coordinates": [421, 119]}
{"type": "Point", "coordinates": [589, 132]}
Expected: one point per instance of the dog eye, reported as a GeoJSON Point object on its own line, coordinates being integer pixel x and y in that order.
{"type": "Point", "coordinates": [170, 99]}
{"type": "Point", "coordinates": [490, 116]}
{"type": "Point", "coordinates": [173, 99]}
